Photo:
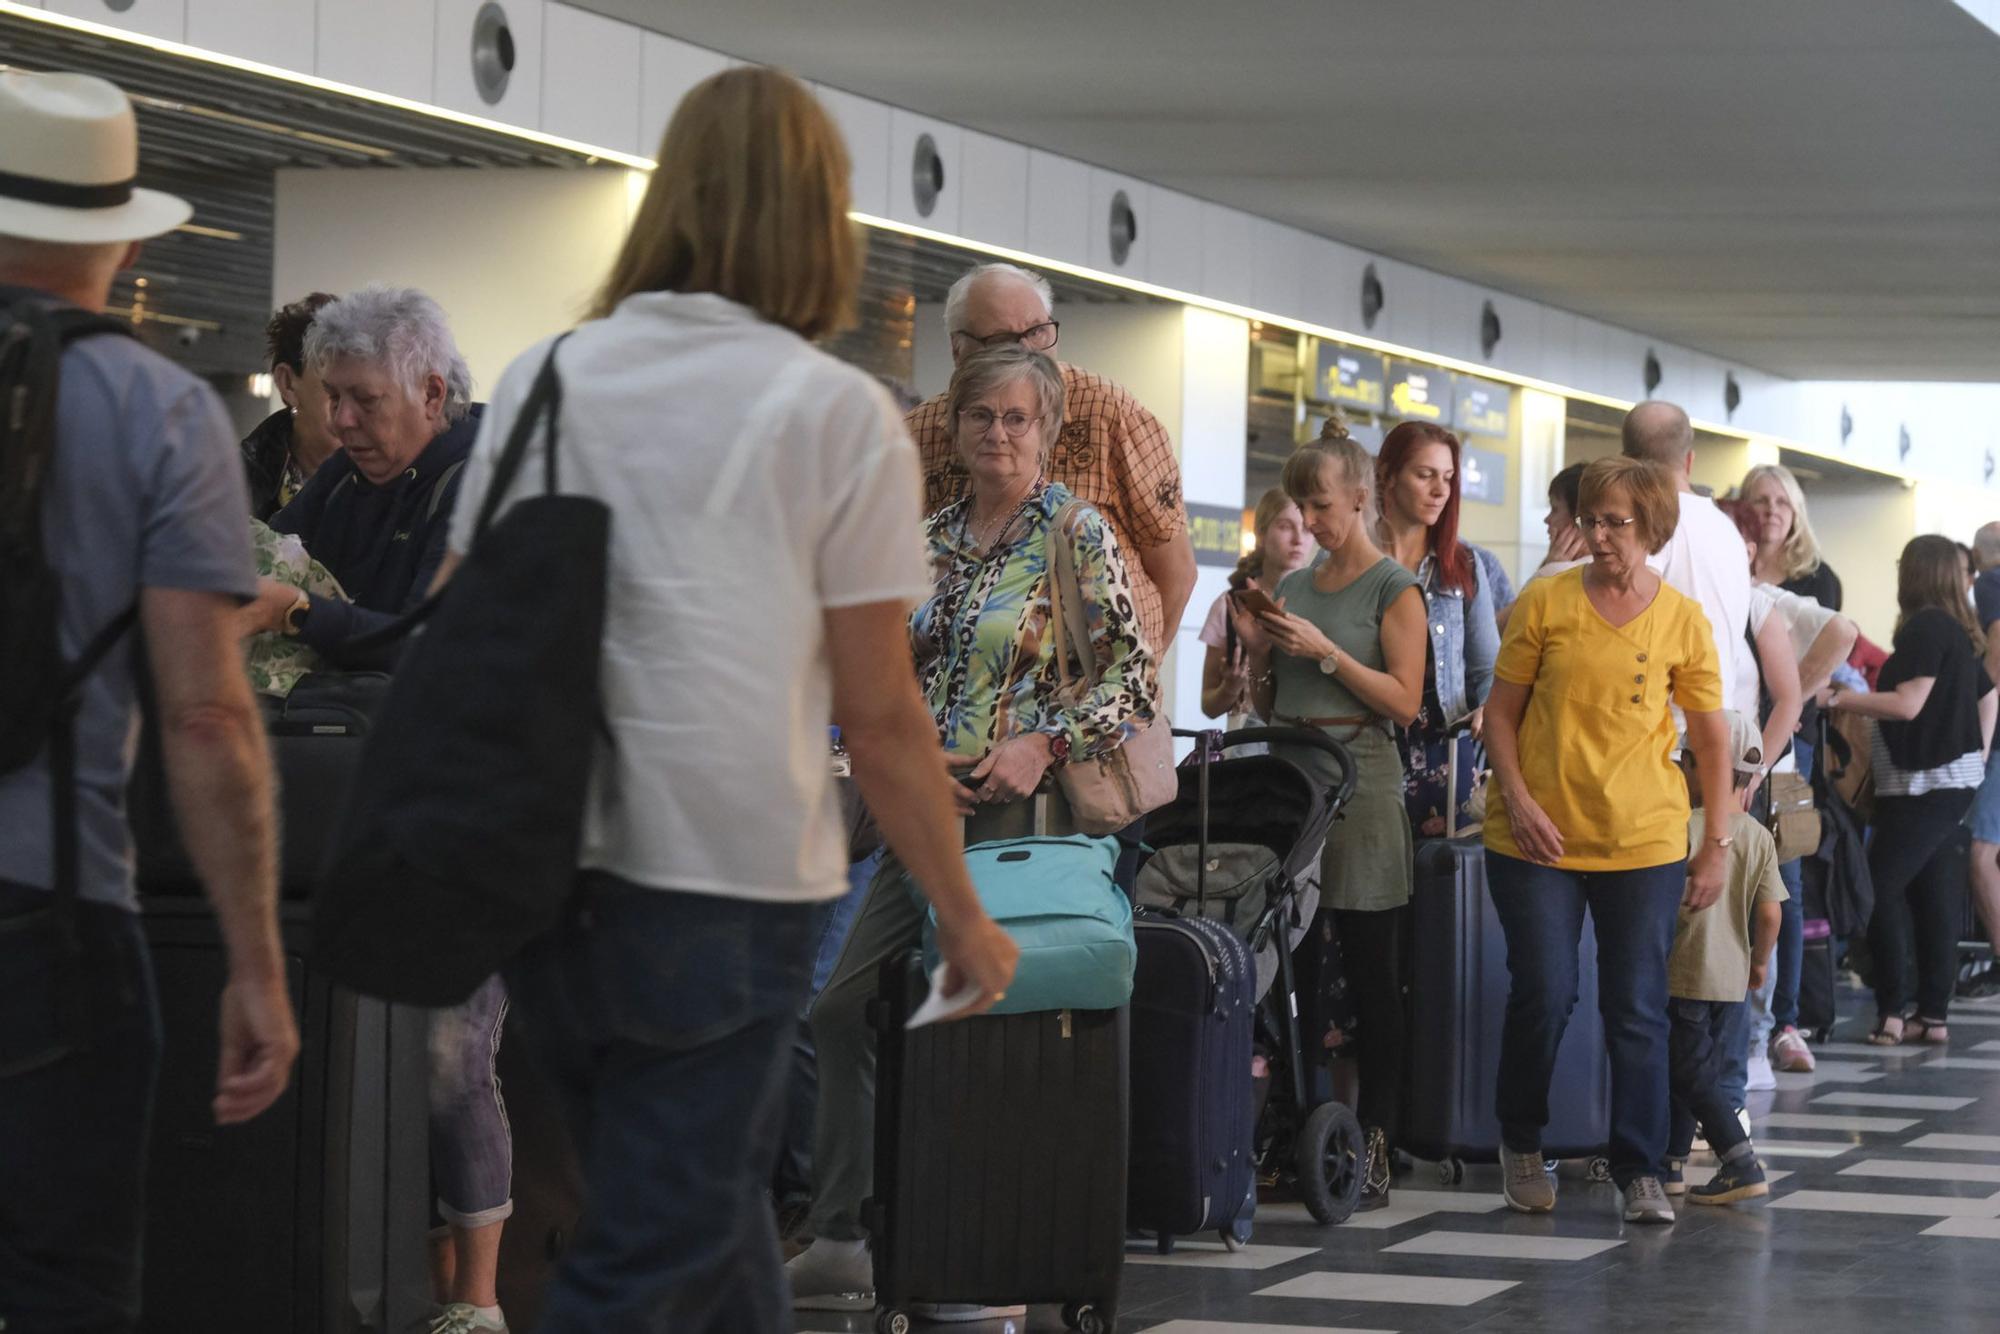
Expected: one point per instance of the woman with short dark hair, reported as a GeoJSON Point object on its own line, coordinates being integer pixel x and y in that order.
{"type": "Point", "coordinates": [285, 449]}
{"type": "Point", "coordinates": [1587, 811]}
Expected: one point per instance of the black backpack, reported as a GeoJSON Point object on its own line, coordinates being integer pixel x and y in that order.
{"type": "Point", "coordinates": [40, 690]}
{"type": "Point", "coordinates": [460, 838]}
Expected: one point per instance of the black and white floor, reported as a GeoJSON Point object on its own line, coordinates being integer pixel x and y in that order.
{"type": "Point", "coordinates": [1884, 1215]}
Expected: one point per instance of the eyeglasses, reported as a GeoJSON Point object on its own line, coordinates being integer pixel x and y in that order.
{"type": "Point", "coordinates": [1590, 523]}
{"type": "Point", "coordinates": [1036, 337]}
{"type": "Point", "coordinates": [1014, 421]}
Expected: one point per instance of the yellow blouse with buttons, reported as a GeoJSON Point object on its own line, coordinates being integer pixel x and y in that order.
{"type": "Point", "coordinates": [1597, 740]}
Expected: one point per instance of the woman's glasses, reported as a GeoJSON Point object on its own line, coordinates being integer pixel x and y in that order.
{"type": "Point", "coordinates": [1014, 421]}
{"type": "Point", "coordinates": [1590, 523]}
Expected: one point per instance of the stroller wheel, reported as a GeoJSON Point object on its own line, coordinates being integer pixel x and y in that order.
{"type": "Point", "coordinates": [1450, 1172]}
{"type": "Point", "coordinates": [1330, 1158]}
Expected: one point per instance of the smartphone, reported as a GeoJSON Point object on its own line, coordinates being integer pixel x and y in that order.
{"type": "Point", "coordinates": [1255, 601]}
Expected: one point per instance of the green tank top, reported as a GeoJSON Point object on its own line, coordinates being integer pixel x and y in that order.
{"type": "Point", "coordinates": [1351, 618]}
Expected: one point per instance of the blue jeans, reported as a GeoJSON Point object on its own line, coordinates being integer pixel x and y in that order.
{"type": "Point", "coordinates": [1541, 911]}
{"type": "Point", "coordinates": [1775, 1005]}
{"type": "Point", "coordinates": [1701, 1032]}
{"type": "Point", "coordinates": [792, 1181]}
{"type": "Point", "coordinates": [665, 1021]}
{"type": "Point", "coordinates": [74, 1132]}
{"type": "Point", "coordinates": [1733, 1082]}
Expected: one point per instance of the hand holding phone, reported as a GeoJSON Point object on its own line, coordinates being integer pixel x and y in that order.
{"type": "Point", "coordinates": [1254, 601]}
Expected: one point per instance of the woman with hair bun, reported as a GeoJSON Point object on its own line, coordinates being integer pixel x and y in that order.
{"type": "Point", "coordinates": [1345, 653]}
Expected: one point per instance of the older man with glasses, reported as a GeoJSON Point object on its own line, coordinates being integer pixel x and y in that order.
{"type": "Point", "coordinates": [1112, 452]}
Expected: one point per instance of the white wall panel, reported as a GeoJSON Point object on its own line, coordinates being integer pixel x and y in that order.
{"type": "Point", "coordinates": [1277, 263]}
{"type": "Point", "coordinates": [1406, 304]}
{"type": "Point", "coordinates": [1558, 356]}
{"type": "Point", "coordinates": [275, 32]}
{"type": "Point", "coordinates": [1520, 348]}
{"type": "Point", "coordinates": [1105, 186]}
{"type": "Point", "coordinates": [1058, 207]}
{"type": "Point", "coordinates": [1455, 317]}
{"type": "Point", "coordinates": [1227, 267]}
{"type": "Point", "coordinates": [1330, 284]}
{"type": "Point", "coordinates": [1705, 388]}
{"type": "Point", "coordinates": [993, 198]}
{"type": "Point", "coordinates": [155, 18]}
{"type": "Point", "coordinates": [1175, 244]}
{"type": "Point", "coordinates": [388, 46]}
{"type": "Point", "coordinates": [906, 131]}
{"type": "Point", "coordinates": [865, 126]}
{"type": "Point", "coordinates": [590, 79]}
{"type": "Point", "coordinates": [520, 103]}
{"type": "Point", "coordinates": [1622, 370]}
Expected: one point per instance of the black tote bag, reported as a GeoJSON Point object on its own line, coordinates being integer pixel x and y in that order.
{"type": "Point", "coordinates": [459, 840]}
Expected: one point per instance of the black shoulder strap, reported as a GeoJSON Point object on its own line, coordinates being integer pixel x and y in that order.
{"type": "Point", "coordinates": [544, 400]}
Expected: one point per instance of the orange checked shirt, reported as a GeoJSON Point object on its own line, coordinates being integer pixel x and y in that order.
{"type": "Point", "coordinates": [1112, 453]}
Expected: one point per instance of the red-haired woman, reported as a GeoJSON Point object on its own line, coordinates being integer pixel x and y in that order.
{"type": "Point", "coordinates": [1416, 474]}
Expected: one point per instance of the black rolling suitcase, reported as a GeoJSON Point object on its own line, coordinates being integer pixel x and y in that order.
{"type": "Point", "coordinates": [312, 1218]}
{"type": "Point", "coordinates": [315, 735]}
{"type": "Point", "coordinates": [1000, 1151]}
{"type": "Point", "coordinates": [1458, 1004]}
{"type": "Point", "coordinates": [1818, 998]}
{"type": "Point", "coordinates": [1194, 1006]}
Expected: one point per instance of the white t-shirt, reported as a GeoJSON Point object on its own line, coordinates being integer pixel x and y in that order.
{"type": "Point", "coordinates": [754, 482]}
{"type": "Point", "coordinates": [1548, 569]}
{"type": "Point", "coordinates": [1802, 618]}
{"type": "Point", "coordinates": [1705, 560]}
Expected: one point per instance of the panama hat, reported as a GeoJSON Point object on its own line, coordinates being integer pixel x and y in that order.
{"type": "Point", "coordinates": [69, 148]}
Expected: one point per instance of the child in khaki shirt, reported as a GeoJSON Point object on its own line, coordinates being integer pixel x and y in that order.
{"type": "Point", "coordinates": [1719, 957]}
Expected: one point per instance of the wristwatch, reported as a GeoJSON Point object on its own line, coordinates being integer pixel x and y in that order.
{"type": "Point", "coordinates": [1330, 664]}
{"type": "Point", "coordinates": [1058, 748]}
{"type": "Point", "coordinates": [294, 613]}
{"type": "Point", "coordinates": [1722, 840]}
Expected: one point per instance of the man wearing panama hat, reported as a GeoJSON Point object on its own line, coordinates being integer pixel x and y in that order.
{"type": "Point", "coordinates": [132, 496]}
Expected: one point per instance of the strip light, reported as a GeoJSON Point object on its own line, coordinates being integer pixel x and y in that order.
{"type": "Point", "coordinates": [594, 154]}
{"type": "Point", "coordinates": [208, 57]}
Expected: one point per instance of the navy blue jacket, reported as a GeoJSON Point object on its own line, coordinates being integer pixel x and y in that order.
{"type": "Point", "coordinates": [384, 543]}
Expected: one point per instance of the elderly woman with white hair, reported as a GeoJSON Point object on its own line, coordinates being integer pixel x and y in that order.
{"type": "Point", "coordinates": [985, 647]}
{"type": "Point", "coordinates": [377, 513]}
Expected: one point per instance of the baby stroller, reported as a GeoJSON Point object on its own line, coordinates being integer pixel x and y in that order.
{"type": "Point", "coordinates": [1241, 844]}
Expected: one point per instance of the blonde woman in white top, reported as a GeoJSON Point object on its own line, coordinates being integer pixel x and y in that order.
{"type": "Point", "coordinates": [764, 556]}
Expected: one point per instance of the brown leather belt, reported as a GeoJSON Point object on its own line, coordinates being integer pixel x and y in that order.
{"type": "Point", "coordinates": [1350, 720]}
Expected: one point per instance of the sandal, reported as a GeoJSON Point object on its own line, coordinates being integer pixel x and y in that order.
{"type": "Point", "coordinates": [1921, 1030]}
{"type": "Point", "coordinates": [1888, 1032]}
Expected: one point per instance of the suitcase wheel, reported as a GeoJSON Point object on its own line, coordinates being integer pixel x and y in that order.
{"type": "Point", "coordinates": [1450, 1172]}
{"type": "Point", "coordinates": [1230, 1241]}
{"type": "Point", "coordinates": [1599, 1169]}
{"type": "Point", "coordinates": [1086, 1319]}
{"type": "Point", "coordinates": [892, 1322]}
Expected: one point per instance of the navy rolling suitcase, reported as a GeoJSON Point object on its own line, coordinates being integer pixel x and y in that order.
{"type": "Point", "coordinates": [999, 1158]}
{"type": "Point", "coordinates": [1458, 1005]}
{"type": "Point", "coordinates": [1194, 1006]}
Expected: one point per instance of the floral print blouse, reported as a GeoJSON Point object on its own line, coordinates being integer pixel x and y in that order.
{"type": "Point", "coordinates": [983, 643]}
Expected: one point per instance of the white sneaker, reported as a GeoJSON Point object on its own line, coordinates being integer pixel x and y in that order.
{"type": "Point", "coordinates": [832, 1276]}
{"type": "Point", "coordinates": [1646, 1202]}
{"type": "Point", "coordinates": [1762, 1079]}
{"type": "Point", "coordinates": [465, 1318]}
{"type": "Point", "coordinates": [958, 1313]}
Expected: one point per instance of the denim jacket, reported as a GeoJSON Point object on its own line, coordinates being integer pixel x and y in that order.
{"type": "Point", "coordinates": [1464, 639]}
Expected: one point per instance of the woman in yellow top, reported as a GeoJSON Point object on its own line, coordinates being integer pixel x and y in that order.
{"type": "Point", "coordinates": [1587, 810]}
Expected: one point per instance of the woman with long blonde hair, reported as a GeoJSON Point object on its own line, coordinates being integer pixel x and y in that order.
{"type": "Point", "coordinates": [1788, 553]}
{"type": "Point", "coordinates": [764, 555]}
